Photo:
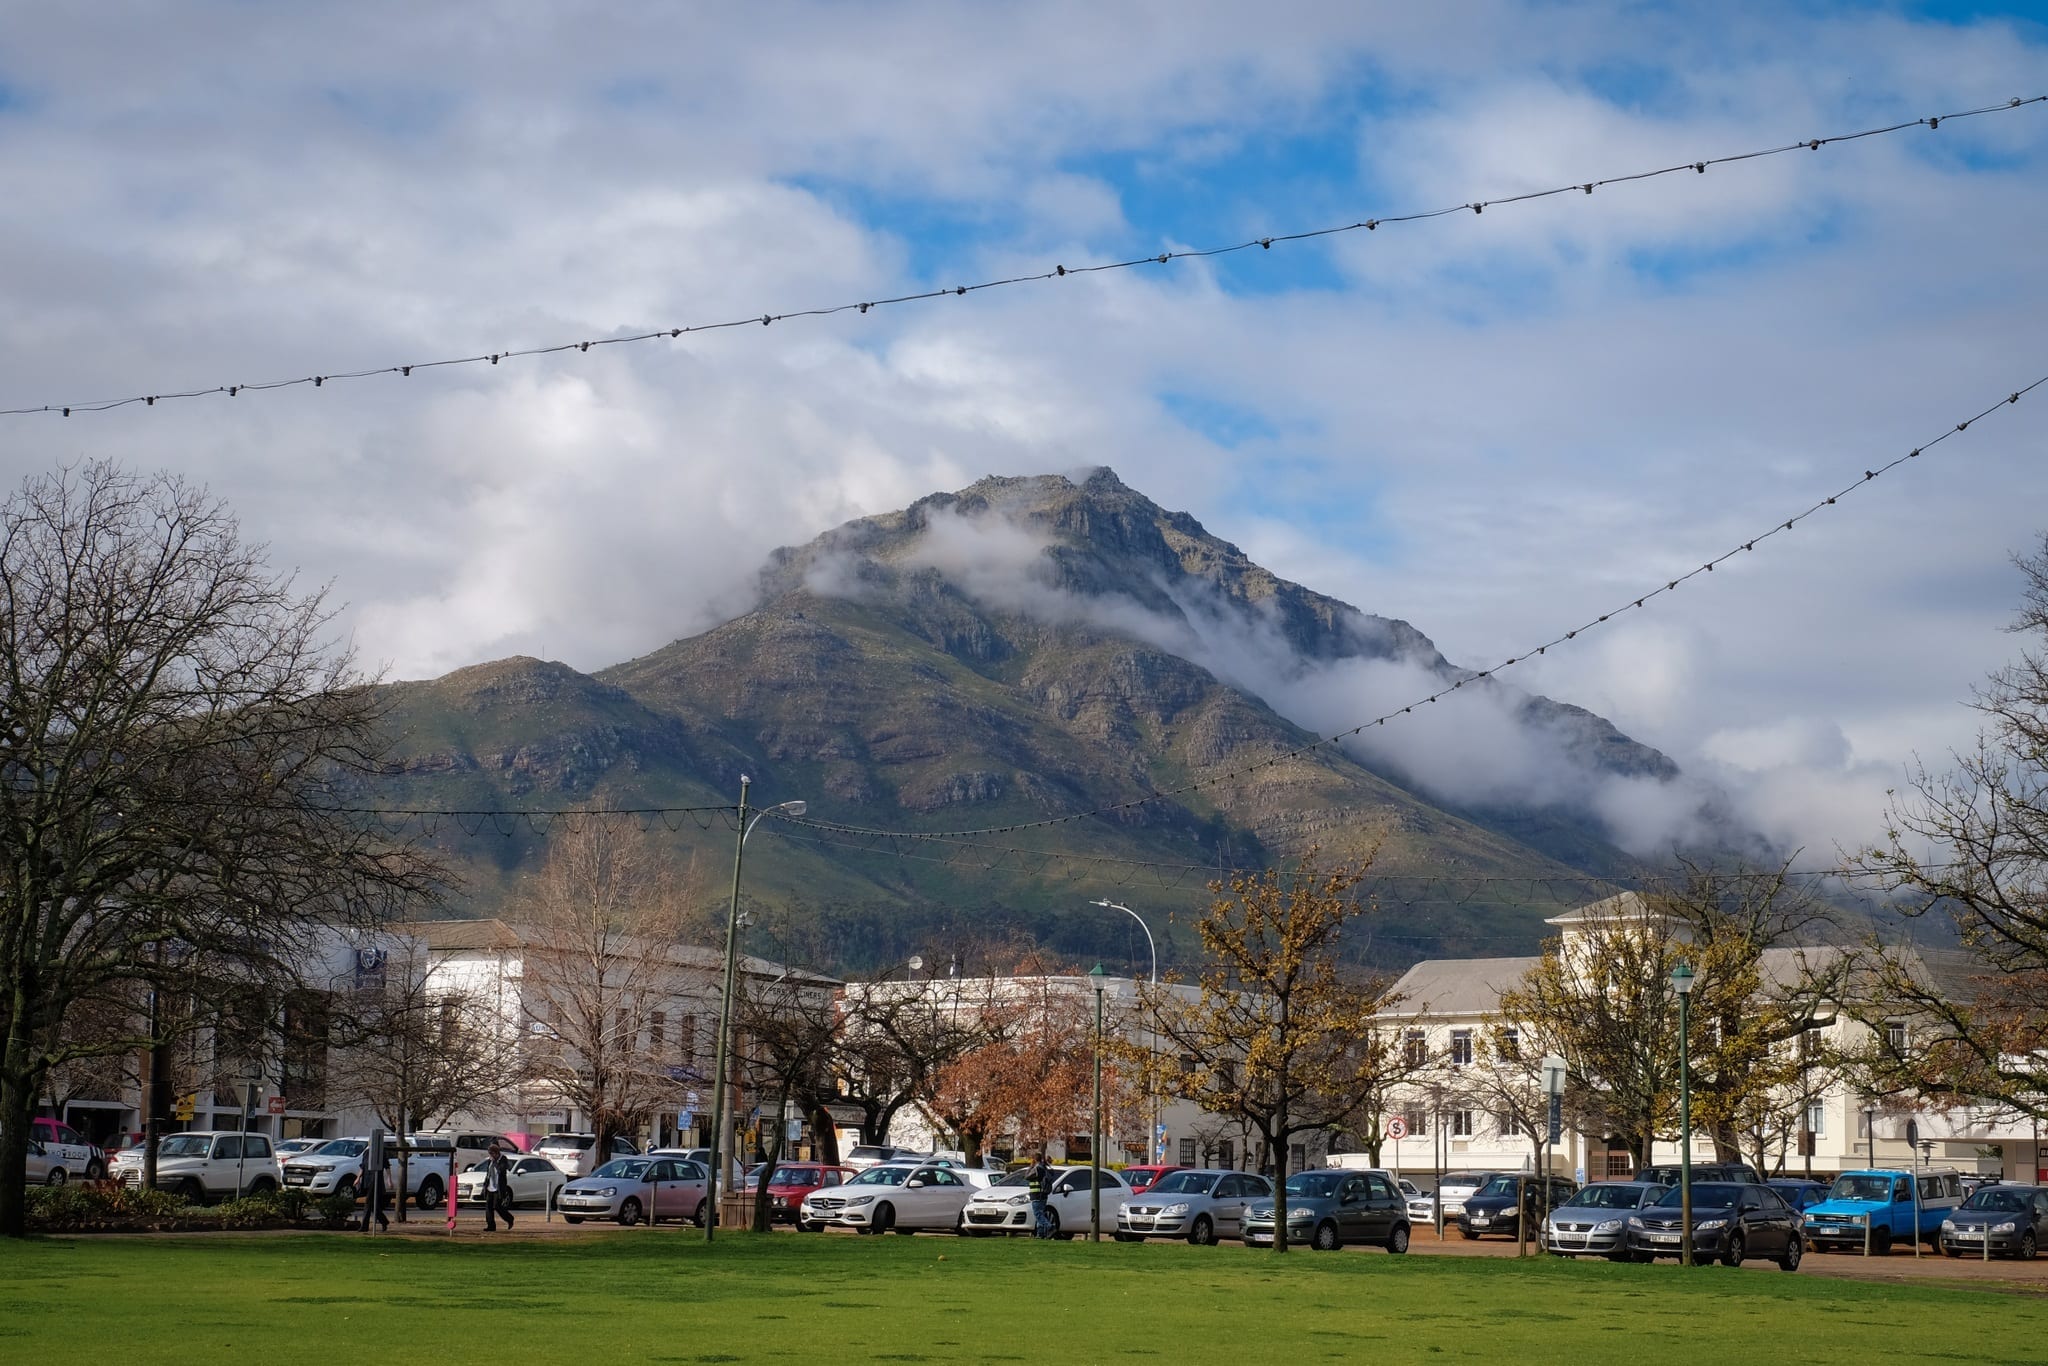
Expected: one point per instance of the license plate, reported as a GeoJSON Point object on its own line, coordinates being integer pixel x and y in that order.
{"type": "Point", "coordinates": [1967, 1235]}
{"type": "Point", "coordinates": [1663, 1237]}
{"type": "Point", "coordinates": [1479, 1221]}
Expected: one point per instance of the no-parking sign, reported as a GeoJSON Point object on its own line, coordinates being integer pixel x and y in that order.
{"type": "Point", "coordinates": [1397, 1127]}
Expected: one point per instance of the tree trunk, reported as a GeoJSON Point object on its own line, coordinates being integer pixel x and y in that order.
{"type": "Point", "coordinates": [1276, 1144]}
{"type": "Point", "coordinates": [405, 1167]}
{"type": "Point", "coordinates": [762, 1221]}
{"type": "Point", "coordinates": [828, 1134]}
{"type": "Point", "coordinates": [15, 1105]}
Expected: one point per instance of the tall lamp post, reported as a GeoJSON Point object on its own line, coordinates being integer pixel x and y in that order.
{"type": "Point", "coordinates": [1095, 1134]}
{"type": "Point", "coordinates": [732, 941]}
{"type": "Point", "coordinates": [1158, 1139]}
{"type": "Point", "coordinates": [1681, 981]}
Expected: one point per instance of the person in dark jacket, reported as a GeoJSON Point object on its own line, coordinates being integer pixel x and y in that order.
{"type": "Point", "coordinates": [1039, 1179]}
{"type": "Point", "coordinates": [375, 1185]}
{"type": "Point", "coordinates": [497, 1190]}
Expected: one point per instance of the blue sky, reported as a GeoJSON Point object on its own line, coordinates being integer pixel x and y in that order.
{"type": "Point", "coordinates": [1488, 425]}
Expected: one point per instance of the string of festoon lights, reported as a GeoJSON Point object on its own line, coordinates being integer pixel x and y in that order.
{"type": "Point", "coordinates": [1226, 776]}
{"type": "Point", "coordinates": [1265, 242]}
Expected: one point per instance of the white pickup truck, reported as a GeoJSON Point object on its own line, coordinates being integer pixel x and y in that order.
{"type": "Point", "coordinates": [207, 1165]}
{"type": "Point", "coordinates": [336, 1167]}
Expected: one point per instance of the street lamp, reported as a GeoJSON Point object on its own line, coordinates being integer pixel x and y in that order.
{"type": "Point", "coordinates": [1681, 981]}
{"type": "Point", "coordinates": [1158, 1140]}
{"type": "Point", "coordinates": [732, 941]}
{"type": "Point", "coordinates": [1095, 1134]}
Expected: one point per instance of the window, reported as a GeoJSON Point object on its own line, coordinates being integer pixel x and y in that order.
{"type": "Point", "coordinates": [1187, 1152]}
{"type": "Point", "coordinates": [1619, 1165]}
{"type": "Point", "coordinates": [686, 1038]}
{"type": "Point", "coordinates": [1415, 1049]}
{"type": "Point", "coordinates": [1507, 1124]}
{"type": "Point", "coordinates": [1461, 1047]}
{"type": "Point", "coordinates": [1809, 1043]}
{"type": "Point", "coordinates": [657, 1030]}
{"type": "Point", "coordinates": [1511, 1044]}
{"type": "Point", "coordinates": [1817, 1118]}
{"type": "Point", "coordinates": [623, 1031]}
{"type": "Point", "coordinates": [1418, 1122]}
{"type": "Point", "coordinates": [1297, 1157]}
{"type": "Point", "coordinates": [1077, 1148]}
{"type": "Point", "coordinates": [1461, 1124]}
{"type": "Point", "coordinates": [1895, 1036]}
{"type": "Point", "coordinates": [227, 1147]}
{"type": "Point", "coordinates": [1226, 1153]}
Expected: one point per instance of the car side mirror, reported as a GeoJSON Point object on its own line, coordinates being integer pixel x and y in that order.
{"type": "Point", "coordinates": [915, 1184]}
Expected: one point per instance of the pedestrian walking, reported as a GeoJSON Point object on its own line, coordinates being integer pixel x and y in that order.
{"type": "Point", "coordinates": [497, 1190]}
{"type": "Point", "coordinates": [376, 1192]}
{"type": "Point", "coordinates": [1039, 1179]}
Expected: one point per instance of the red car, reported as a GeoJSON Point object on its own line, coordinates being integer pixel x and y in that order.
{"type": "Point", "coordinates": [792, 1181]}
{"type": "Point", "coordinates": [1140, 1178]}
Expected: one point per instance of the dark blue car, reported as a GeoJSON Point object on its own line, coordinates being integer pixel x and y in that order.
{"type": "Point", "coordinates": [2008, 1219]}
{"type": "Point", "coordinates": [1798, 1192]}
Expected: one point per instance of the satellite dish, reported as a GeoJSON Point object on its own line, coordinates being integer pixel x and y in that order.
{"type": "Point", "coordinates": [917, 963]}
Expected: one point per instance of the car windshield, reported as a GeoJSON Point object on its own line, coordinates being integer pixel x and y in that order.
{"type": "Point", "coordinates": [577, 1142]}
{"type": "Point", "coordinates": [1608, 1197]}
{"type": "Point", "coordinates": [1500, 1185]}
{"type": "Point", "coordinates": [1022, 1178]}
{"type": "Point", "coordinates": [1853, 1187]}
{"type": "Point", "coordinates": [624, 1170]}
{"type": "Point", "coordinates": [863, 1154]}
{"type": "Point", "coordinates": [340, 1147]}
{"type": "Point", "coordinates": [1712, 1196]}
{"type": "Point", "coordinates": [2004, 1201]}
{"type": "Point", "coordinates": [1183, 1183]}
{"type": "Point", "coordinates": [1316, 1185]}
{"type": "Point", "coordinates": [882, 1176]}
{"type": "Point", "coordinates": [184, 1145]}
{"type": "Point", "coordinates": [792, 1176]}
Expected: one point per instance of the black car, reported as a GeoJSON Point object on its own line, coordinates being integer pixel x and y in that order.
{"type": "Point", "coordinates": [2016, 1218]}
{"type": "Point", "coordinates": [1732, 1221]}
{"type": "Point", "coordinates": [1798, 1192]}
{"type": "Point", "coordinates": [1702, 1171]}
{"type": "Point", "coordinates": [1493, 1208]}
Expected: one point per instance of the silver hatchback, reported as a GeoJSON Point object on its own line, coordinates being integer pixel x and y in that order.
{"type": "Point", "coordinates": [1198, 1205]}
{"type": "Point", "coordinates": [1595, 1220]}
{"type": "Point", "coordinates": [630, 1189]}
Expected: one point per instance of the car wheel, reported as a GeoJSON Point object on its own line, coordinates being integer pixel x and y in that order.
{"type": "Point", "coordinates": [1881, 1242]}
{"type": "Point", "coordinates": [572, 1218]}
{"type": "Point", "coordinates": [2028, 1246]}
{"type": "Point", "coordinates": [629, 1212]}
{"type": "Point", "coordinates": [884, 1220]}
{"type": "Point", "coordinates": [191, 1192]}
{"type": "Point", "coordinates": [1468, 1235]}
{"type": "Point", "coordinates": [57, 1177]}
{"type": "Point", "coordinates": [1794, 1250]}
{"type": "Point", "coordinates": [346, 1186]}
{"type": "Point", "coordinates": [262, 1185]}
{"type": "Point", "coordinates": [1202, 1233]}
{"type": "Point", "coordinates": [1950, 1250]}
{"type": "Point", "coordinates": [1397, 1242]}
{"type": "Point", "coordinates": [95, 1171]}
{"type": "Point", "coordinates": [1052, 1223]}
{"type": "Point", "coordinates": [1129, 1238]}
{"type": "Point", "coordinates": [1732, 1250]}
{"type": "Point", "coordinates": [1326, 1239]}
{"type": "Point", "coordinates": [697, 1215]}
{"type": "Point", "coordinates": [431, 1192]}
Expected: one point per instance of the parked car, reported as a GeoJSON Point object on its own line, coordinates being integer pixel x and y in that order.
{"type": "Point", "coordinates": [576, 1154]}
{"type": "Point", "coordinates": [41, 1170]}
{"type": "Point", "coordinates": [1594, 1219]}
{"type": "Point", "coordinates": [1740, 1172]}
{"type": "Point", "coordinates": [1142, 1177]}
{"type": "Point", "coordinates": [1800, 1194]}
{"type": "Point", "coordinates": [1327, 1209]}
{"type": "Point", "coordinates": [790, 1182]}
{"type": "Point", "coordinates": [534, 1181]}
{"type": "Point", "coordinates": [1422, 1207]}
{"type": "Point", "coordinates": [1872, 1208]}
{"type": "Point", "coordinates": [1005, 1207]}
{"type": "Point", "coordinates": [630, 1189]}
{"type": "Point", "coordinates": [1732, 1221]}
{"type": "Point", "coordinates": [292, 1147]}
{"type": "Point", "coordinates": [987, 1162]}
{"type": "Point", "coordinates": [1453, 1187]}
{"type": "Point", "coordinates": [900, 1196]}
{"type": "Point", "coordinates": [78, 1156]}
{"type": "Point", "coordinates": [2013, 1218]}
{"type": "Point", "coordinates": [335, 1167]}
{"type": "Point", "coordinates": [1198, 1204]}
{"type": "Point", "coordinates": [1496, 1207]}
{"type": "Point", "coordinates": [866, 1155]}
{"type": "Point", "coordinates": [206, 1165]}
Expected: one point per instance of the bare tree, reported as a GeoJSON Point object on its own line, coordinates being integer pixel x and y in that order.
{"type": "Point", "coordinates": [898, 1038]}
{"type": "Point", "coordinates": [175, 731]}
{"type": "Point", "coordinates": [602, 916]}
{"type": "Point", "coordinates": [787, 1030]}
{"type": "Point", "coordinates": [415, 1053]}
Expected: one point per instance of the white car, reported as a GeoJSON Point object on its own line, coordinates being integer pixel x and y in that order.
{"type": "Point", "coordinates": [211, 1165]}
{"type": "Point", "coordinates": [534, 1181]}
{"type": "Point", "coordinates": [866, 1155]}
{"type": "Point", "coordinates": [77, 1156]}
{"type": "Point", "coordinates": [1454, 1188]}
{"type": "Point", "coordinates": [1005, 1207]}
{"type": "Point", "coordinates": [576, 1154]}
{"type": "Point", "coordinates": [898, 1196]}
{"type": "Point", "coordinates": [292, 1147]}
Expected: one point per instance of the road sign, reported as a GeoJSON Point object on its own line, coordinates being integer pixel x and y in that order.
{"type": "Point", "coordinates": [1553, 1074]}
{"type": "Point", "coordinates": [186, 1104]}
{"type": "Point", "coordinates": [1556, 1116]}
{"type": "Point", "coordinates": [276, 1105]}
{"type": "Point", "coordinates": [1397, 1127]}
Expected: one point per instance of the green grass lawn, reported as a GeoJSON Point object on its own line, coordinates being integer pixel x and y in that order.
{"type": "Point", "coordinates": [665, 1297]}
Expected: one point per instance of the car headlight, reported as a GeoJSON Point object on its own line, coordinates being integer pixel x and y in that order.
{"type": "Point", "coordinates": [2005, 1227]}
{"type": "Point", "coordinates": [1709, 1225]}
{"type": "Point", "coordinates": [1302, 1214]}
{"type": "Point", "coordinates": [608, 1190]}
{"type": "Point", "coordinates": [1607, 1226]}
{"type": "Point", "coordinates": [1172, 1210]}
{"type": "Point", "coordinates": [1024, 1199]}
{"type": "Point", "coordinates": [1948, 1226]}
{"type": "Point", "coordinates": [1859, 1218]}
{"type": "Point", "coordinates": [1635, 1221]}
{"type": "Point", "coordinates": [861, 1200]}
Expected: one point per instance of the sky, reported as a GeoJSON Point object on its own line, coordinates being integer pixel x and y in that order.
{"type": "Point", "coordinates": [1495, 426]}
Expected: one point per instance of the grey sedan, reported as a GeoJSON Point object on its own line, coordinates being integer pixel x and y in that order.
{"type": "Point", "coordinates": [1200, 1206]}
{"type": "Point", "coordinates": [1328, 1209]}
{"type": "Point", "coordinates": [1595, 1220]}
{"type": "Point", "coordinates": [630, 1189]}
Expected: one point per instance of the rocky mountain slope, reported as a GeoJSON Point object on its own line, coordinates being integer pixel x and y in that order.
{"type": "Point", "coordinates": [1019, 650]}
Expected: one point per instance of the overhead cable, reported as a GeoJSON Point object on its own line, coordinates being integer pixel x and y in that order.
{"type": "Point", "coordinates": [1059, 271]}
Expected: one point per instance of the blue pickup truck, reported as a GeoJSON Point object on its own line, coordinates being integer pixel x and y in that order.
{"type": "Point", "coordinates": [1872, 1208]}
